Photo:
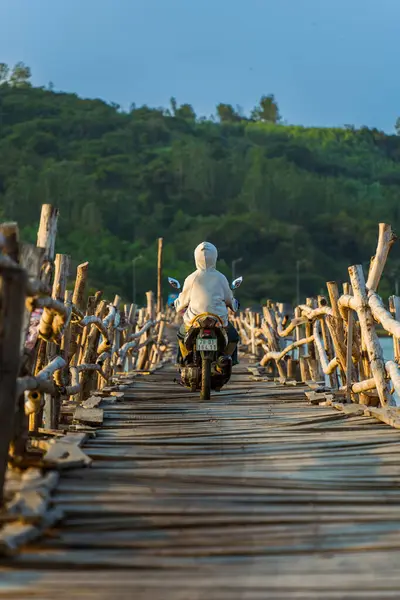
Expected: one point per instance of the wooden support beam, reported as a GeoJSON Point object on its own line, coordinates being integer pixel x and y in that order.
{"type": "Point", "coordinates": [386, 239]}
{"type": "Point", "coordinates": [78, 300]}
{"type": "Point", "coordinates": [13, 283]}
{"type": "Point", "coordinates": [394, 306]}
{"type": "Point", "coordinates": [159, 276]}
{"type": "Point", "coordinates": [369, 334]}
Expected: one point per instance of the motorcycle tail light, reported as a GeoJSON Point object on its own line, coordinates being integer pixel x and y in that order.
{"type": "Point", "coordinates": [207, 322]}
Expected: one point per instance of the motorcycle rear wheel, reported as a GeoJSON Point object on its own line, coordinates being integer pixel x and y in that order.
{"type": "Point", "coordinates": [205, 393]}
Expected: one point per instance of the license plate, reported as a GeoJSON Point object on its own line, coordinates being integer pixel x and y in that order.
{"type": "Point", "coordinates": [207, 344]}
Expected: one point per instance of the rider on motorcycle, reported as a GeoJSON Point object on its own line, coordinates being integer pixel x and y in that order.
{"type": "Point", "coordinates": [207, 290]}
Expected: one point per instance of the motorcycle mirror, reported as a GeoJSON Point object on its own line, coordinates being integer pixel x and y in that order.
{"type": "Point", "coordinates": [236, 283]}
{"type": "Point", "coordinates": [174, 283]}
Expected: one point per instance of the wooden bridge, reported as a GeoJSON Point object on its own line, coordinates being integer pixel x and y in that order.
{"type": "Point", "coordinates": [284, 485]}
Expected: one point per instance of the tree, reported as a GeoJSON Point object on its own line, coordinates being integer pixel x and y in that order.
{"type": "Point", "coordinates": [4, 71]}
{"type": "Point", "coordinates": [267, 111]}
{"type": "Point", "coordinates": [174, 105]}
{"type": "Point", "coordinates": [20, 75]}
{"type": "Point", "coordinates": [227, 114]}
{"type": "Point", "coordinates": [185, 111]}
{"type": "Point", "coordinates": [272, 195]}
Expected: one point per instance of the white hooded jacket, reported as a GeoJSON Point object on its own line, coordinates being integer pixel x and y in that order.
{"type": "Point", "coordinates": [205, 290]}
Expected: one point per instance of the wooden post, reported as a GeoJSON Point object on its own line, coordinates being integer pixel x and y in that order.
{"type": "Point", "coordinates": [333, 292]}
{"type": "Point", "coordinates": [357, 341]}
{"type": "Point", "coordinates": [114, 338]}
{"type": "Point", "coordinates": [293, 369]}
{"type": "Point", "coordinates": [92, 304]}
{"type": "Point", "coordinates": [349, 356]}
{"type": "Point", "coordinates": [394, 305]}
{"type": "Point", "coordinates": [12, 300]}
{"type": "Point", "coordinates": [150, 306]}
{"type": "Point", "coordinates": [336, 328]}
{"type": "Point", "coordinates": [304, 371]}
{"type": "Point", "coordinates": [50, 411]}
{"type": "Point", "coordinates": [333, 377]}
{"type": "Point", "coordinates": [253, 334]}
{"type": "Point", "coordinates": [31, 259]}
{"type": "Point", "coordinates": [311, 356]}
{"type": "Point", "coordinates": [46, 237]}
{"type": "Point", "coordinates": [10, 237]}
{"type": "Point", "coordinates": [348, 328]}
{"type": "Point", "coordinates": [159, 276]}
{"type": "Point", "coordinates": [90, 310]}
{"type": "Point", "coordinates": [269, 317]}
{"type": "Point", "coordinates": [157, 355]}
{"type": "Point", "coordinates": [386, 240]}
{"type": "Point", "coordinates": [141, 318]}
{"type": "Point", "coordinates": [369, 334]}
{"type": "Point", "coordinates": [132, 315]}
{"type": "Point", "coordinates": [273, 342]}
{"type": "Point", "coordinates": [61, 274]}
{"type": "Point", "coordinates": [88, 378]}
{"type": "Point", "coordinates": [90, 354]}
{"type": "Point", "coordinates": [78, 300]}
{"type": "Point", "coordinates": [116, 334]}
{"type": "Point", "coordinates": [78, 297]}
{"type": "Point", "coordinates": [65, 343]}
{"type": "Point", "coordinates": [144, 353]}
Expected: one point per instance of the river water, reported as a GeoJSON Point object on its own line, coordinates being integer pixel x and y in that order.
{"type": "Point", "coordinates": [388, 354]}
{"type": "Point", "coordinates": [387, 346]}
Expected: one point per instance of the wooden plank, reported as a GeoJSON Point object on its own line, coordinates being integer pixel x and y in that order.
{"type": "Point", "coordinates": [89, 416]}
{"type": "Point", "coordinates": [16, 534]}
{"type": "Point", "coordinates": [92, 402]}
{"type": "Point", "coordinates": [64, 452]}
{"type": "Point", "coordinates": [255, 491]}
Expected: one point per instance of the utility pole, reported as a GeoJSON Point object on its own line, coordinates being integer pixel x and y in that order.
{"type": "Point", "coordinates": [298, 282]}
{"type": "Point", "coordinates": [234, 263]}
{"type": "Point", "coordinates": [134, 261]}
{"type": "Point", "coordinates": [159, 275]}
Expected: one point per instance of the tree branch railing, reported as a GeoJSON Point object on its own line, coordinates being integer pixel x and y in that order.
{"type": "Point", "coordinates": [334, 346]}
{"type": "Point", "coordinates": [56, 350]}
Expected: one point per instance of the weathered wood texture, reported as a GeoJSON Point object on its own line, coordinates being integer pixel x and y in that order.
{"type": "Point", "coordinates": [254, 494]}
{"type": "Point", "coordinates": [48, 348]}
{"type": "Point", "coordinates": [12, 297]}
{"type": "Point", "coordinates": [335, 346]}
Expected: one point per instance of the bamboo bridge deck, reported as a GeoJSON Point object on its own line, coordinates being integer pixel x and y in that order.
{"type": "Point", "coordinates": [254, 495]}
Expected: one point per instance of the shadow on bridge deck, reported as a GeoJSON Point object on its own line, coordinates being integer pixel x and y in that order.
{"type": "Point", "coordinates": [254, 494]}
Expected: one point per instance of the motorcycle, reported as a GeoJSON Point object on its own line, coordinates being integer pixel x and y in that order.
{"type": "Point", "coordinates": [206, 367]}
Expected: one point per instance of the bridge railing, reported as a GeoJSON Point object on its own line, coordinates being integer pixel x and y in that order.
{"type": "Point", "coordinates": [56, 348]}
{"type": "Point", "coordinates": [331, 341]}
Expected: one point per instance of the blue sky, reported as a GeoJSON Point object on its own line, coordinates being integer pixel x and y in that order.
{"type": "Point", "coordinates": [328, 62]}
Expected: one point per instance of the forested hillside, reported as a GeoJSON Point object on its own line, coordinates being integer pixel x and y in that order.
{"type": "Point", "coordinates": [270, 193]}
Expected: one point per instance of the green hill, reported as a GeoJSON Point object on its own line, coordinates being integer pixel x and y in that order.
{"type": "Point", "coordinates": [269, 193]}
